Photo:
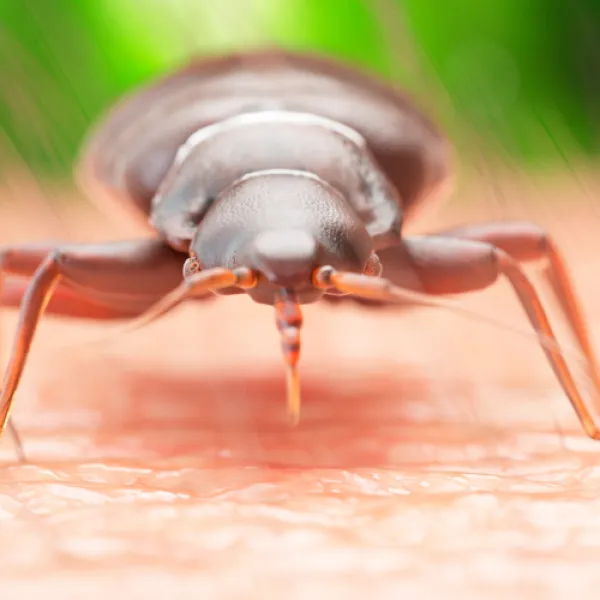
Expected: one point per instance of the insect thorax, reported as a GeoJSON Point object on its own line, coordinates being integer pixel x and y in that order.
{"type": "Point", "coordinates": [217, 156]}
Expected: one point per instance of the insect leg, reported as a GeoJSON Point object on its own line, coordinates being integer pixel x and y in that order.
{"type": "Point", "coordinates": [125, 277]}
{"type": "Point", "coordinates": [19, 263]}
{"type": "Point", "coordinates": [446, 265]}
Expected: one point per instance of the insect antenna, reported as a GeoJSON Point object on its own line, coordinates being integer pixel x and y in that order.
{"type": "Point", "coordinates": [200, 284]}
{"type": "Point", "coordinates": [401, 296]}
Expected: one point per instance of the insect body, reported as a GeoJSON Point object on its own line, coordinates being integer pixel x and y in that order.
{"type": "Point", "coordinates": [287, 177]}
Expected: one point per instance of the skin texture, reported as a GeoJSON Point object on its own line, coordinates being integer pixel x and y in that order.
{"type": "Point", "coordinates": [436, 457]}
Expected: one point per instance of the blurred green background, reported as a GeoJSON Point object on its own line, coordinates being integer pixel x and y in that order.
{"type": "Point", "coordinates": [516, 79]}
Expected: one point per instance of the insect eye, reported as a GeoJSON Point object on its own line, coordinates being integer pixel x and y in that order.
{"type": "Point", "coordinates": [190, 267]}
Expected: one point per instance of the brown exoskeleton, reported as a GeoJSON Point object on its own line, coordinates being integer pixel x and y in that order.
{"type": "Point", "coordinates": [287, 177]}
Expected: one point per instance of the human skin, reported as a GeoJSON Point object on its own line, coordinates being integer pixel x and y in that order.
{"type": "Point", "coordinates": [436, 457]}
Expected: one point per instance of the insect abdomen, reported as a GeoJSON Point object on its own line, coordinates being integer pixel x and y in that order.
{"type": "Point", "coordinates": [132, 150]}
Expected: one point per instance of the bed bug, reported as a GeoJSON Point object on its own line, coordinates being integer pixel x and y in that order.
{"type": "Point", "coordinates": [288, 177]}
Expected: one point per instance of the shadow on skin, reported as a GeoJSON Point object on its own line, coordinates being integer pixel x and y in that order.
{"type": "Point", "coordinates": [242, 421]}
{"type": "Point", "coordinates": [374, 421]}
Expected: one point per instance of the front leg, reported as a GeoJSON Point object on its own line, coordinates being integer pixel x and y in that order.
{"type": "Point", "coordinates": [121, 279]}
{"type": "Point", "coordinates": [522, 241]}
{"type": "Point", "coordinates": [440, 265]}
{"type": "Point", "coordinates": [527, 242]}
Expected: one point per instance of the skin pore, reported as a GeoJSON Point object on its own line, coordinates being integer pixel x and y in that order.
{"type": "Point", "coordinates": [434, 456]}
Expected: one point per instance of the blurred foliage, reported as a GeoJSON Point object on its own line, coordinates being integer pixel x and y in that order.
{"type": "Point", "coordinates": [519, 78]}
